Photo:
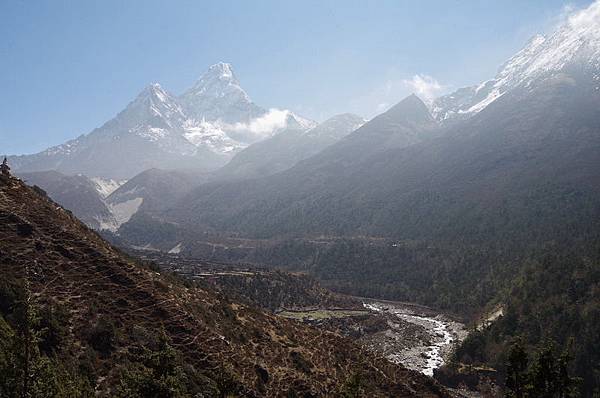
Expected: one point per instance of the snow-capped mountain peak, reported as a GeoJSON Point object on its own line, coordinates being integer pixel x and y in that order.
{"type": "Point", "coordinates": [203, 128]}
{"type": "Point", "coordinates": [219, 95]}
{"type": "Point", "coordinates": [575, 43]}
{"type": "Point", "coordinates": [154, 101]}
{"type": "Point", "coordinates": [223, 71]}
{"type": "Point", "coordinates": [217, 81]}
{"type": "Point", "coordinates": [299, 122]}
{"type": "Point", "coordinates": [157, 92]}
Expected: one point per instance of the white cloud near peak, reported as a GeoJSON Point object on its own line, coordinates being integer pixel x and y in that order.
{"type": "Point", "coordinates": [266, 124]}
{"type": "Point", "coordinates": [585, 21]}
{"type": "Point", "coordinates": [424, 86]}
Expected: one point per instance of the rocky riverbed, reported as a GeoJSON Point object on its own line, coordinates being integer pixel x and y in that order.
{"type": "Point", "coordinates": [417, 337]}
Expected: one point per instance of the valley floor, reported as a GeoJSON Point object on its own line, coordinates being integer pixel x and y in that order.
{"type": "Point", "coordinates": [415, 336]}
{"type": "Point", "coordinates": [418, 337]}
{"type": "Point", "coordinates": [424, 351]}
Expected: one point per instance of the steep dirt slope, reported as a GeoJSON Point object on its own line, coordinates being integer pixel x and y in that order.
{"type": "Point", "coordinates": [235, 348]}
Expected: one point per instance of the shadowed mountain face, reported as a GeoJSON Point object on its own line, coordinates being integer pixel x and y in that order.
{"type": "Point", "coordinates": [283, 151]}
{"type": "Point", "coordinates": [156, 190]}
{"type": "Point", "coordinates": [401, 176]}
{"type": "Point", "coordinates": [337, 169]}
{"type": "Point", "coordinates": [103, 204]}
{"type": "Point", "coordinates": [71, 268]}
{"type": "Point", "coordinates": [77, 193]}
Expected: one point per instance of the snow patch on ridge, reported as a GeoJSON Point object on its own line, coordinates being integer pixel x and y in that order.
{"type": "Point", "coordinates": [210, 134]}
{"type": "Point", "coordinates": [576, 41]}
{"type": "Point", "coordinates": [151, 133]}
{"type": "Point", "coordinates": [122, 212]}
{"type": "Point", "coordinates": [106, 186]}
{"type": "Point", "coordinates": [177, 249]}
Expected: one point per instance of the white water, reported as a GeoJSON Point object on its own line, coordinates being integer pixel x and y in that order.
{"type": "Point", "coordinates": [440, 337]}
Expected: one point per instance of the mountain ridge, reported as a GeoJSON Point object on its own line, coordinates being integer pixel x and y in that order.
{"type": "Point", "coordinates": [200, 129]}
{"type": "Point", "coordinates": [575, 43]}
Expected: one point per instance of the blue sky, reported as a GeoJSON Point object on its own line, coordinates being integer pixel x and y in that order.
{"type": "Point", "coordinates": [68, 66]}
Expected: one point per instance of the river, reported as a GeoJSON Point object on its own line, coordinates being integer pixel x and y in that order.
{"type": "Point", "coordinates": [419, 338]}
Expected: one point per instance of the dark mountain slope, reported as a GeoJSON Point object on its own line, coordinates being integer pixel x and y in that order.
{"type": "Point", "coordinates": [158, 188]}
{"type": "Point", "coordinates": [285, 149]}
{"type": "Point", "coordinates": [259, 206]}
{"type": "Point", "coordinates": [76, 193]}
{"type": "Point", "coordinates": [155, 190]}
{"type": "Point", "coordinates": [530, 158]}
{"type": "Point", "coordinates": [114, 308]}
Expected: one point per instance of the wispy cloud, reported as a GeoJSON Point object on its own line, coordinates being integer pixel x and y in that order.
{"type": "Point", "coordinates": [382, 107]}
{"type": "Point", "coordinates": [393, 89]}
{"type": "Point", "coordinates": [424, 86]}
{"type": "Point", "coordinates": [575, 16]}
{"type": "Point", "coordinates": [266, 124]}
{"type": "Point", "coordinates": [566, 11]}
{"type": "Point", "coordinates": [587, 18]}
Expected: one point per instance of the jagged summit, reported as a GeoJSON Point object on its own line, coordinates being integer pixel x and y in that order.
{"type": "Point", "coordinates": [154, 101]}
{"type": "Point", "coordinates": [218, 95]}
{"type": "Point", "coordinates": [219, 75]}
{"type": "Point", "coordinates": [153, 87]}
{"type": "Point", "coordinates": [222, 70]}
{"type": "Point", "coordinates": [156, 92]}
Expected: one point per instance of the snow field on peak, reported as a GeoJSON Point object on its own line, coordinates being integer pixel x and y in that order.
{"type": "Point", "coordinates": [576, 41]}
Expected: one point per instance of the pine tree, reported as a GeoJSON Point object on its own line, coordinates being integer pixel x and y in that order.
{"type": "Point", "coordinates": [543, 373]}
{"type": "Point", "coordinates": [157, 373]}
{"type": "Point", "coordinates": [516, 371]}
{"type": "Point", "coordinates": [566, 384]}
{"type": "Point", "coordinates": [24, 371]}
{"type": "Point", "coordinates": [547, 376]}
